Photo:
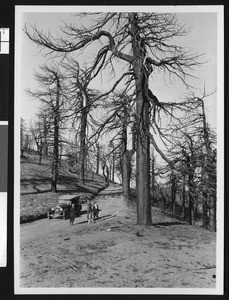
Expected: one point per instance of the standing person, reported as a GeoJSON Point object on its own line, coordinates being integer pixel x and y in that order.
{"type": "Point", "coordinates": [96, 211]}
{"type": "Point", "coordinates": [93, 210]}
{"type": "Point", "coordinates": [72, 214]}
{"type": "Point", "coordinates": [89, 211]}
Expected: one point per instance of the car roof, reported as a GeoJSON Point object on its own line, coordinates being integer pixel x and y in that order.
{"type": "Point", "coordinates": [63, 205]}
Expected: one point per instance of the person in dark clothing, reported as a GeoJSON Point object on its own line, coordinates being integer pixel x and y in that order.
{"type": "Point", "coordinates": [96, 210]}
{"type": "Point", "coordinates": [72, 215]}
{"type": "Point", "coordinates": [89, 211]}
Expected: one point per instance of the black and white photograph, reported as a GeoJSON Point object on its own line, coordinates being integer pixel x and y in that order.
{"type": "Point", "coordinates": [118, 150]}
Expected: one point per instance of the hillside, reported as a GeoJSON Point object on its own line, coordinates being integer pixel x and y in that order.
{"type": "Point", "coordinates": [36, 195]}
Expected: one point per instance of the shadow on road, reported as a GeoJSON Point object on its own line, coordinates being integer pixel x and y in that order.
{"type": "Point", "coordinates": [106, 217]}
{"type": "Point", "coordinates": [168, 224]}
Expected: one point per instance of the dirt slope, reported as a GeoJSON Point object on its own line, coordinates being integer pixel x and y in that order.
{"type": "Point", "coordinates": [115, 252]}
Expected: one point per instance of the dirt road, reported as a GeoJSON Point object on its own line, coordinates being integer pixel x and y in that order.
{"type": "Point", "coordinates": [46, 228]}
{"type": "Point", "coordinates": [115, 252]}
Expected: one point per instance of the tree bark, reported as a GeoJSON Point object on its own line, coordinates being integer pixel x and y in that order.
{"type": "Point", "coordinates": [142, 164]}
{"type": "Point", "coordinates": [45, 137]}
{"type": "Point", "coordinates": [40, 152]}
{"type": "Point", "coordinates": [173, 193]}
{"type": "Point", "coordinates": [143, 142]}
{"type": "Point", "coordinates": [126, 173]}
{"type": "Point", "coordinates": [126, 157]}
{"type": "Point", "coordinates": [191, 198]}
{"type": "Point", "coordinates": [113, 166]}
{"type": "Point", "coordinates": [204, 196]}
{"type": "Point", "coordinates": [183, 196]}
{"type": "Point", "coordinates": [212, 202]}
{"type": "Point", "coordinates": [56, 141]}
{"type": "Point", "coordinates": [153, 179]}
{"type": "Point", "coordinates": [212, 213]}
{"type": "Point", "coordinates": [97, 158]}
{"type": "Point", "coordinates": [83, 139]}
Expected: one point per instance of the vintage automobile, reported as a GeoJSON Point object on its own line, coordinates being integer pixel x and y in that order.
{"type": "Point", "coordinates": [62, 209]}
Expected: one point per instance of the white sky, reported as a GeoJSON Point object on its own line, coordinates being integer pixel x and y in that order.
{"type": "Point", "coordinates": [202, 39]}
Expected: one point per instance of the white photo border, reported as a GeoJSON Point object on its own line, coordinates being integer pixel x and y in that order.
{"type": "Point", "coordinates": [219, 9]}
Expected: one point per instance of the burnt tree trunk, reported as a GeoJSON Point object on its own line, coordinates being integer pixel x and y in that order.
{"type": "Point", "coordinates": [212, 201]}
{"type": "Point", "coordinates": [126, 156]}
{"type": "Point", "coordinates": [126, 173]}
{"type": "Point", "coordinates": [110, 172]}
{"type": "Point", "coordinates": [173, 192]}
{"type": "Point", "coordinates": [143, 142]}
{"type": "Point", "coordinates": [56, 140]}
{"type": "Point", "coordinates": [191, 197]}
{"type": "Point", "coordinates": [183, 196]}
{"type": "Point", "coordinates": [190, 181]}
{"type": "Point", "coordinates": [105, 173]}
{"type": "Point", "coordinates": [143, 161]}
{"type": "Point", "coordinates": [153, 179]}
{"type": "Point", "coordinates": [40, 152]}
{"type": "Point", "coordinates": [83, 128]}
{"type": "Point", "coordinates": [113, 166]}
{"type": "Point", "coordinates": [204, 180]}
{"type": "Point", "coordinates": [97, 158]}
{"type": "Point", "coordinates": [45, 147]}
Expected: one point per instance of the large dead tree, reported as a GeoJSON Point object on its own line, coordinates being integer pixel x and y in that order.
{"type": "Point", "coordinates": [143, 42]}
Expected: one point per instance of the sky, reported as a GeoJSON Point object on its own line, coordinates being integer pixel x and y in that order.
{"type": "Point", "coordinates": [202, 39]}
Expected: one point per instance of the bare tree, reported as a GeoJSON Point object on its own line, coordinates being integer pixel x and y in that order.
{"type": "Point", "coordinates": [142, 41]}
{"type": "Point", "coordinates": [190, 140]}
{"type": "Point", "coordinates": [50, 80]}
{"type": "Point", "coordinates": [80, 98]}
